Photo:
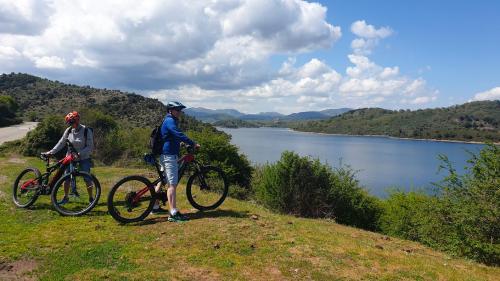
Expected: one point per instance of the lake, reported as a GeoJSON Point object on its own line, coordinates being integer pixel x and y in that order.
{"type": "Point", "coordinates": [381, 162]}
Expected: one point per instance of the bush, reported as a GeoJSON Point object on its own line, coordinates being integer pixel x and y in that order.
{"type": "Point", "coordinates": [8, 110]}
{"type": "Point", "coordinates": [46, 134]}
{"type": "Point", "coordinates": [470, 208]}
{"type": "Point", "coordinates": [304, 187]}
{"type": "Point", "coordinates": [464, 219]}
{"type": "Point", "coordinates": [216, 149]}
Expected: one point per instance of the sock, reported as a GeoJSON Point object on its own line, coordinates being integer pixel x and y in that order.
{"type": "Point", "coordinates": [173, 212]}
{"type": "Point", "coordinates": [156, 206]}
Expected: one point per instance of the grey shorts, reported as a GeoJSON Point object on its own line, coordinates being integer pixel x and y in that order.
{"type": "Point", "coordinates": [170, 168]}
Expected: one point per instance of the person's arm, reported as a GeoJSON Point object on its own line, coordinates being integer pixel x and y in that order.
{"type": "Point", "coordinates": [176, 132]}
{"type": "Point", "coordinates": [61, 143]}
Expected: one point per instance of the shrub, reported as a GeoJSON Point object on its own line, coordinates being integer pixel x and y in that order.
{"type": "Point", "coordinates": [464, 219]}
{"type": "Point", "coordinates": [217, 150]}
{"type": "Point", "coordinates": [46, 134]}
{"type": "Point", "coordinates": [305, 187]}
{"type": "Point", "coordinates": [8, 110]}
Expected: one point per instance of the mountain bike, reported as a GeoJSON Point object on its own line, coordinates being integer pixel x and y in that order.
{"type": "Point", "coordinates": [132, 198]}
{"type": "Point", "coordinates": [30, 184]}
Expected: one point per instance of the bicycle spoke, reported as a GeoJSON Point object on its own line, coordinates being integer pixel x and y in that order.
{"type": "Point", "coordinates": [207, 189]}
{"type": "Point", "coordinates": [75, 194]}
{"type": "Point", "coordinates": [130, 199]}
{"type": "Point", "coordinates": [26, 187]}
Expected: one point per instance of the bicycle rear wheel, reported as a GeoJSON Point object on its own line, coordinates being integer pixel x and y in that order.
{"type": "Point", "coordinates": [131, 199]}
{"type": "Point", "coordinates": [79, 196]}
{"type": "Point", "coordinates": [26, 188]}
{"type": "Point", "coordinates": [207, 188]}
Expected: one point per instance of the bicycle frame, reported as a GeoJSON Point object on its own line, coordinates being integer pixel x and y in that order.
{"type": "Point", "coordinates": [183, 162]}
{"type": "Point", "coordinates": [60, 166]}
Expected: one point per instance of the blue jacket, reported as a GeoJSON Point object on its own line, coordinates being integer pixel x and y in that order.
{"type": "Point", "coordinates": [173, 136]}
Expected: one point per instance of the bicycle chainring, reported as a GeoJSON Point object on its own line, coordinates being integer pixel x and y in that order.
{"type": "Point", "coordinates": [129, 201]}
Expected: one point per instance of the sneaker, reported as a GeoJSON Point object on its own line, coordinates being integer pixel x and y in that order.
{"type": "Point", "coordinates": [159, 211]}
{"type": "Point", "coordinates": [75, 194]}
{"type": "Point", "coordinates": [91, 199]}
{"type": "Point", "coordinates": [63, 201]}
{"type": "Point", "coordinates": [178, 217]}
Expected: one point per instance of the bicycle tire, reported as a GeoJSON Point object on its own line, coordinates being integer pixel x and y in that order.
{"type": "Point", "coordinates": [88, 206]}
{"type": "Point", "coordinates": [114, 205]}
{"type": "Point", "coordinates": [193, 188]}
{"type": "Point", "coordinates": [36, 190]}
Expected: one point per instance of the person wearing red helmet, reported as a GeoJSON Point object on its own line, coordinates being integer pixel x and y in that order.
{"type": "Point", "coordinates": [82, 139]}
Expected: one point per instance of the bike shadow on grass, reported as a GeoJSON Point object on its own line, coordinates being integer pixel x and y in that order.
{"type": "Point", "coordinates": [194, 216]}
{"type": "Point", "coordinates": [48, 206]}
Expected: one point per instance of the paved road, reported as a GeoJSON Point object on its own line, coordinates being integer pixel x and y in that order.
{"type": "Point", "coordinates": [16, 132]}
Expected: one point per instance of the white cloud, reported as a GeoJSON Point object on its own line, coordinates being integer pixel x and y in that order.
{"type": "Point", "coordinates": [49, 62]}
{"type": "Point", "coordinates": [26, 17]}
{"type": "Point", "coordinates": [82, 60]}
{"type": "Point", "coordinates": [315, 85]}
{"type": "Point", "coordinates": [369, 37]}
{"type": "Point", "coordinates": [492, 94]}
{"type": "Point", "coordinates": [8, 53]}
{"type": "Point", "coordinates": [363, 30]}
{"type": "Point", "coordinates": [164, 44]}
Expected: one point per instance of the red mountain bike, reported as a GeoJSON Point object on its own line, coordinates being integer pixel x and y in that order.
{"type": "Point", "coordinates": [132, 198]}
{"type": "Point", "coordinates": [30, 184]}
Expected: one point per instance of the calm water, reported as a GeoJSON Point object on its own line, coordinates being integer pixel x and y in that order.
{"type": "Point", "coordinates": [381, 162]}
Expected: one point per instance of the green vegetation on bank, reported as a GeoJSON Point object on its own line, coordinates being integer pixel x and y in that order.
{"type": "Point", "coordinates": [8, 111]}
{"type": "Point", "coordinates": [235, 123]}
{"type": "Point", "coordinates": [475, 121]}
{"type": "Point", "coordinates": [238, 241]}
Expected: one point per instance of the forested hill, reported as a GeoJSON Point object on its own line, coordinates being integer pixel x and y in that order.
{"type": "Point", "coordinates": [38, 97]}
{"type": "Point", "coordinates": [474, 121]}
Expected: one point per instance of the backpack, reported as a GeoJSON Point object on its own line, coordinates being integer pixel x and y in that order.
{"type": "Point", "coordinates": [156, 141]}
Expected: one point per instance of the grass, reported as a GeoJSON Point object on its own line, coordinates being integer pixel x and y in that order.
{"type": "Point", "coordinates": [239, 241]}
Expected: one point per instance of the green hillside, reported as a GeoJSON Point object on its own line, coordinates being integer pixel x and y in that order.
{"type": "Point", "coordinates": [239, 241]}
{"type": "Point", "coordinates": [38, 97]}
{"type": "Point", "coordinates": [475, 121]}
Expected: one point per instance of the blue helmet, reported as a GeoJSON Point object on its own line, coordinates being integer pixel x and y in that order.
{"type": "Point", "coordinates": [175, 105]}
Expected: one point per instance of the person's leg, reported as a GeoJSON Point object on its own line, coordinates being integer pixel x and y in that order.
{"type": "Point", "coordinates": [171, 195]}
{"type": "Point", "coordinates": [157, 210]}
{"type": "Point", "coordinates": [85, 167]}
{"type": "Point", "coordinates": [171, 169]}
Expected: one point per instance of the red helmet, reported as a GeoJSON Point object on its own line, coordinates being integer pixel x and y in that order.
{"type": "Point", "coordinates": [72, 117]}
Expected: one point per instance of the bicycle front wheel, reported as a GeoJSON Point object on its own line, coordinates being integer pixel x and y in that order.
{"type": "Point", "coordinates": [207, 188]}
{"type": "Point", "coordinates": [131, 199]}
{"type": "Point", "coordinates": [26, 188]}
{"type": "Point", "coordinates": [76, 194]}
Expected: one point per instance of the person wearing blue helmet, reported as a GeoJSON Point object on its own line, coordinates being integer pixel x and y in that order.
{"type": "Point", "coordinates": [173, 136]}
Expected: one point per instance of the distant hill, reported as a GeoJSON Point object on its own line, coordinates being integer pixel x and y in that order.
{"type": "Point", "coordinates": [214, 115]}
{"type": "Point", "coordinates": [475, 121]}
{"type": "Point", "coordinates": [38, 97]}
{"type": "Point", "coordinates": [335, 112]}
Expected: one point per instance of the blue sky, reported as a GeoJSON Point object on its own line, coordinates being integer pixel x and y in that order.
{"type": "Point", "coordinates": [454, 45]}
{"type": "Point", "coordinates": [262, 55]}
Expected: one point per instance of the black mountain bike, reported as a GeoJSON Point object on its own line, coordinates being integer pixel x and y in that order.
{"type": "Point", "coordinates": [132, 198]}
{"type": "Point", "coordinates": [30, 184]}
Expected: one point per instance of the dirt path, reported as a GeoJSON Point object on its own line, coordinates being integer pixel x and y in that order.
{"type": "Point", "coordinates": [16, 132]}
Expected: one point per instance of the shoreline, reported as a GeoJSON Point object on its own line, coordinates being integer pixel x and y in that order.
{"type": "Point", "coordinates": [399, 138]}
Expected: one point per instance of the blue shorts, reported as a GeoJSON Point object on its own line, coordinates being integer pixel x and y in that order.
{"type": "Point", "coordinates": [170, 168]}
{"type": "Point", "coordinates": [83, 165]}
